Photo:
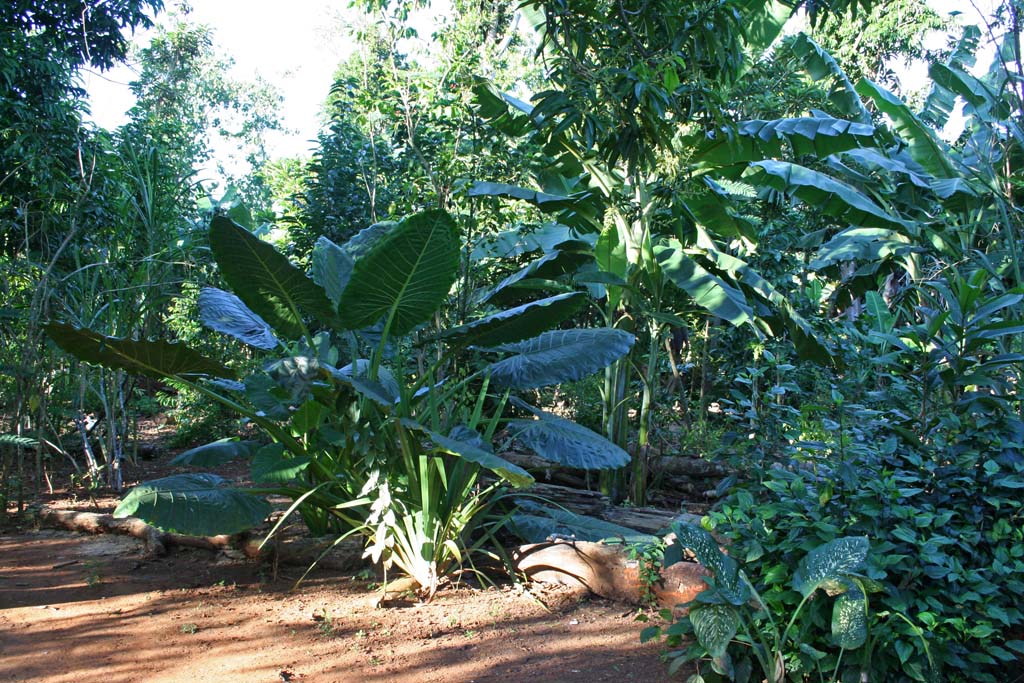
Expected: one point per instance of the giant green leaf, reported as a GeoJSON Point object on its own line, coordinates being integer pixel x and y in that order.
{"type": "Point", "coordinates": [156, 359]}
{"type": "Point", "coordinates": [216, 453]}
{"type": "Point", "coordinates": [266, 280]}
{"type": "Point", "coordinates": [224, 312]}
{"type": "Point", "coordinates": [332, 268]}
{"type": "Point", "coordinates": [827, 565]}
{"type": "Point", "coordinates": [513, 474]}
{"type": "Point", "coordinates": [924, 146]}
{"type": "Point", "coordinates": [827, 194]}
{"type": "Point", "coordinates": [405, 276]}
{"type": "Point", "coordinates": [941, 100]}
{"type": "Point", "coordinates": [708, 291]}
{"type": "Point", "coordinates": [559, 356]}
{"type": "Point", "coordinates": [818, 136]}
{"type": "Point", "coordinates": [563, 441]}
{"type": "Point", "coordinates": [580, 209]}
{"type": "Point", "coordinates": [194, 505]}
{"type": "Point", "coordinates": [535, 523]}
{"type": "Point", "coordinates": [568, 258]}
{"type": "Point", "coordinates": [366, 239]}
{"type": "Point", "coordinates": [819, 64]}
{"type": "Point", "coordinates": [715, 626]}
{"type": "Point", "coordinates": [850, 619]}
{"type": "Point", "coordinates": [270, 466]}
{"type": "Point", "coordinates": [518, 323]}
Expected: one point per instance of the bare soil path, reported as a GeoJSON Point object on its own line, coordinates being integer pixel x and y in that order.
{"type": "Point", "coordinates": [81, 609]}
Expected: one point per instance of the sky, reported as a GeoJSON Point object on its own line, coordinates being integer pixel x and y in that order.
{"type": "Point", "coordinates": [297, 45]}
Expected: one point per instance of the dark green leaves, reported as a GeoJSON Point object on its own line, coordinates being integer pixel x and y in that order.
{"type": "Point", "coordinates": [332, 268]}
{"type": "Point", "coordinates": [194, 505]}
{"type": "Point", "coordinates": [708, 291]}
{"type": "Point", "coordinates": [535, 523]}
{"type": "Point", "coordinates": [817, 136]}
{"type": "Point", "coordinates": [559, 440]}
{"type": "Point", "coordinates": [728, 584]}
{"type": "Point", "coordinates": [266, 281]}
{"type": "Point", "coordinates": [270, 466]}
{"type": "Point", "coordinates": [216, 453]}
{"type": "Point", "coordinates": [156, 359]}
{"type": "Point", "coordinates": [828, 195]}
{"type": "Point", "coordinates": [559, 356]}
{"type": "Point", "coordinates": [518, 323]}
{"type": "Point", "coordinates": [405, 276]}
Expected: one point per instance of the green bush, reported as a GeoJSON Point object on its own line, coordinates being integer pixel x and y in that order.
{"type": "Point", "coordinates": [947, 544]}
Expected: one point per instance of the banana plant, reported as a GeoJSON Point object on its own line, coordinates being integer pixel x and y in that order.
{"type": "Point", "coordinates": [359, 437]}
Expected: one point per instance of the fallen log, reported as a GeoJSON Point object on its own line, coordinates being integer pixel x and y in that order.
{"type": "Point", "coordinates": [609, 572]}
{"type": "Point", "coordinates": [697, 468]}
{"type": "Point", "coordinates": [647, 520]}
{"type": "Point", "coordinates": [580, 501]}
{"type": "Point", "coordinates": [297, 551]}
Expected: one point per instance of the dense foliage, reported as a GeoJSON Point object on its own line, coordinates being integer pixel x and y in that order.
{"type": "Point", "coordinates": [774, 255]}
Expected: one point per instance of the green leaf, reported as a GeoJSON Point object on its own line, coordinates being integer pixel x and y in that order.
{"type": "Point", "coordinates": [266, 281]}
{"type": "Point", "coordinates": [194, 505]}
{"type": "Point", "coordinates": [825, 566]}
{"type": "Point", "coordinates": [547, 267]}
{"type": "Point", "coordinates": [366, 239]}
{"type": "Point", "coordinates": [224, 312]}
{"type": "Point", "coordinates": [385, 390]}
{"type": "Point", "coordinates": [514, 474]}
{"type": "Point", "coordinates": [562, 441]}
{"type": "Point", "coordinates": [805, 338]}
{"type": "Point", "coordinates": [559, 356]}
{"type": "Point", "coordinates": [216, 453]}
{"type": "Point", "coordinates": [819, 64]}
{"type": "Point", "coordinates": [405, 276]}
{"type": "Point", "coordinates": [271, 467]}
{"type": "Point", "coordinates": [924, 146]}
{"type": "Point", "coordinates": [156, 359]}
{"type": "Point", "coordinates": [535, 523]}
{"type": "Point", "coordinates": [715, 626]}
{"type": "Point", "coordinates": [850, 619]}
{"type": "Point", "coordinates": [517, 323]}
{"type": "Point", "coordinates": [726, 570]}
{"type": "Point", "coordinates": [817, 136]}
{"type": "Point", "coordinates": [708, 291]}
{"type": "Point", "coordinates": [332, 268]}
{"type": "Point", "coordinates": [827, 194]}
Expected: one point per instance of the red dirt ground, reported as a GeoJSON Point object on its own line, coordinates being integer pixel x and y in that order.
{"type": "Point", "coordinates": [81, 609]}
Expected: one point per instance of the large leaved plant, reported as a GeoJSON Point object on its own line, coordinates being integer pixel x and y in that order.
{"type": "Point", "coordinates": [365, 428]}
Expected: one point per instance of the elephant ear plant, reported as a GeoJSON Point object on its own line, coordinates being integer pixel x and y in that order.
{"type": "Point", "coordinates": [358, 442]}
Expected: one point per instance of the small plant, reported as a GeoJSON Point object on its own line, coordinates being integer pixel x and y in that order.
{"type": "Point", "coordinates": [736, 629]}
{"type": "Point", "coordinates": [189, 628]}
{"type": "Point", "coordinates": [92, 576]}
